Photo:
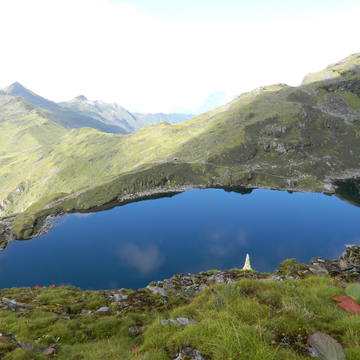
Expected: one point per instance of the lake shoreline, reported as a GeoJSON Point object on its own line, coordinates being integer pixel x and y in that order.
{"type": "Point", "coordinates": [44, 224]}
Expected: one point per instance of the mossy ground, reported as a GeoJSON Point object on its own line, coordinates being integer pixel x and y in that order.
{"type": "Point", "coordinates": [249, 319]}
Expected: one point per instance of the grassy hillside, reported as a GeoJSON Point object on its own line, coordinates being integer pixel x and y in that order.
{"type": "Point", "coordinates": [282, 137]}
{"type": "Point", "coordinates": [154, 118]}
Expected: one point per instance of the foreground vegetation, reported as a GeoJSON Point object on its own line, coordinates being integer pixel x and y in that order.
{"type": "Point", "coordinates": [248, 319]}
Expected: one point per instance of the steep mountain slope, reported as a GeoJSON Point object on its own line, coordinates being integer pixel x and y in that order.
{"type": "Point", "coordinates": [112, 114]}
{"type": "Point", "coordinates": [302, 138]}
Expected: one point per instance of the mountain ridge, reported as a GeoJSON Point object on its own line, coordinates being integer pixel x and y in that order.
{"type": "Point", "coordinates": [81, 112]}
{"type": "Point", "coordinates": [302, 138]}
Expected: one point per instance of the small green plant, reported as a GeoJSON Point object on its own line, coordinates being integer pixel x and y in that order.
{"type": "Point", "coordinates": [231, 291]}
{"type": "Point", "coordinates": [47, 339]}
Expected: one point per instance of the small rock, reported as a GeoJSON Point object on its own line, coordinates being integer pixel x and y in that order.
{"type": "Point", "coordinates": [318, 269]}
{"type": "Point", "coordinates": [135, 330]}
{"type": "Point", "coordinates": [103, 309]}
{"type": "Point", "coordinates": [119, 297]}
{"type": "Point", "coordinates": [188, 353]}
{"type": "Point", "coordinates": [50, 350]}
{"type": "Point", "coordinates": [178, 322]}
{"type": "Point", "coordinates": [85, 312]}
{"type": "Point", "coordinates": [157, 290]}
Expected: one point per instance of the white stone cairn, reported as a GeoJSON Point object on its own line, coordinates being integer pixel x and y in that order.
{"type": "Point", "coordinates": [247, 265]}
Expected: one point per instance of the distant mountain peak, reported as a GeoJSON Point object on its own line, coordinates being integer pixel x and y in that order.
{"type": "Point", "coordinates": [81, 98]}
{"type": "Point", "coordinates": [15, 87]}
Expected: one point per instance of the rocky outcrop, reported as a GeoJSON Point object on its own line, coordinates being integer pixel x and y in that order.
{"type": "Point", "coordinates": [346, 267]}
{"type": "Point", "coordinates": [6, 234]}
{"type": "Point", "coordinates": [14, 196]}
{"type": "Point", "coordinates": [188, 285]}
{"type": "Point", "coordinates": [14, 305]}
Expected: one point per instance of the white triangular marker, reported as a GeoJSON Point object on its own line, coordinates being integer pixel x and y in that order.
{"type": "Point", "coordinates": [247, 265]}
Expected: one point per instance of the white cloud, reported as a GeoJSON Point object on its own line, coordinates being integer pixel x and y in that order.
{"type": "Point", "coordinates": [63, 48]}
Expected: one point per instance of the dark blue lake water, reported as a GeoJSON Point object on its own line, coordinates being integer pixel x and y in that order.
{"type": "Point", "coordinates": [131, 245]}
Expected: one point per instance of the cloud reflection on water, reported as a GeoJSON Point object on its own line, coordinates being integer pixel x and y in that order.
{"type": "Point", "coordinates": [144, 259]}
{"type": "Point", "coordinates": [223, 242]}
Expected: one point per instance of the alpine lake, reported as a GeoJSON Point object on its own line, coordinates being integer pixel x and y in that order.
{"type": "Point", "coordinates": [129, 246]}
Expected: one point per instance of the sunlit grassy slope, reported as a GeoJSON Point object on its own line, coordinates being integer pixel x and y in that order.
{"type": "Point", "coordinates": [276, 136]}
{"type": "Point", "coordinates": [249, 319]}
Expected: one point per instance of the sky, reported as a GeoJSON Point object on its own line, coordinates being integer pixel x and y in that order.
{"type": "Point", "coordinates": [170, 55]}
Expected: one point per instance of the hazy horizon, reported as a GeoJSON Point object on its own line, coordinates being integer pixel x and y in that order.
{"type": "Point", "coordinates": [169, 56]}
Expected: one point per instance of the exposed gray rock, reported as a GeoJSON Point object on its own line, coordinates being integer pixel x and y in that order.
{"type": "Point", "coordinates": [178, 322]}
{"type": "Point", "coordinates": [157, 290]}
{"type": "Point", "coordinates": [14, 305]}
{"type": "Point", "coordinates": [318, 270]}
{"type": "Point", "coordinates": [118, 297]}
{"type": "Point", "coordinates": [346, 267]}
{"type": "Point", "coordinates": [103, 309]}
{"type": "Point", "coordinates": [188, 353]}
{"type": "Point", "coordinates": [50, 350]}
{"type": "Point", "coordinates": [85, 312]}
{"type": "Point", "coordinates": [188, 285]}
{"type": "Point", "coordinates": [135, 330]}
